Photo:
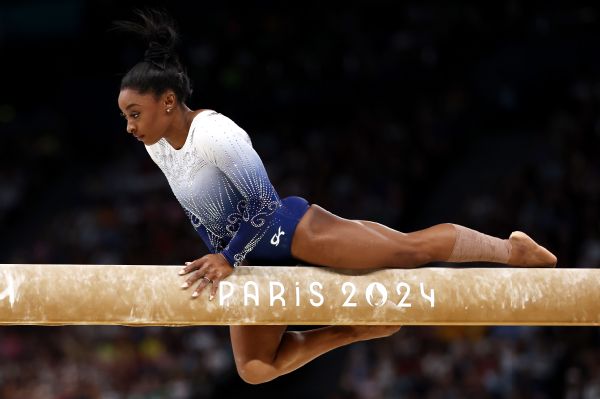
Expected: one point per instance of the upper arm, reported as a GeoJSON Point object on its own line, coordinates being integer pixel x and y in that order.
{"type": "Point", "coordinates": [227, 147]}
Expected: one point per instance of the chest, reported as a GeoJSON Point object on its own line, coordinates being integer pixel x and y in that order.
{"type": "Point", "coordinates": [198, 184]}
{"type": "Point", "coordinates": [182, 168]}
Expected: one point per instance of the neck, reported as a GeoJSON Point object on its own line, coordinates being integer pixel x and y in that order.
{"type": "Point", "coordinates": [180, 126]}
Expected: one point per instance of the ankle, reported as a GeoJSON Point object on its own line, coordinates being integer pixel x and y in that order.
{"type": "Point", "coordinates": [473, 246]}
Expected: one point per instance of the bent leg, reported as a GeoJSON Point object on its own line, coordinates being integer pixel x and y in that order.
{"type": "Point", "coordinates": [325, 239]}
{"type": "Point", "coordinates": [263, 353]}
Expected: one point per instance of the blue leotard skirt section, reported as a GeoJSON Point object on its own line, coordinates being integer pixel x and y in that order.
{"type": "Point", "coordinates": [274, 249]}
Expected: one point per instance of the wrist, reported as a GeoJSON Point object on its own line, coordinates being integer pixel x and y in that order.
{"type": "Point", "coordinates": [227, 258]}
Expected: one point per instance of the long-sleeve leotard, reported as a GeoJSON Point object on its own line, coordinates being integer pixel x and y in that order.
{"type": "Point", "coordinates": [220, 181]}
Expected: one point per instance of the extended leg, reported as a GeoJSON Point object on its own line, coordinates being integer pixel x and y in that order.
{"type": "Point", "coordinates": [323, 238]}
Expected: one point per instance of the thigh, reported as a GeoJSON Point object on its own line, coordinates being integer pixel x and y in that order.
{"type": "Point", "coordinates": [383, 229]}
{"type": "Point", "coordinates": [255, 342]}
{"type": "Point", "coordinates": [325, 239]}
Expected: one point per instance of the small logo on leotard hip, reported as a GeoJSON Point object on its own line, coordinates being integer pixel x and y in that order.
{"type": "Point", "coordinates": [275, 238]}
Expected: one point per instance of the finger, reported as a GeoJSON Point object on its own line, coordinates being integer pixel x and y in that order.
{"type": "Point", "coordinates": [213, 289]}
{"type": "Point", "coordinates": [203, 283]}
{"type": "Point", "coordinates": [192, 279]}
{"type": "Point", "coordinates": [205, 270]}
{"type": "Point", "coordinates": [191, 266]}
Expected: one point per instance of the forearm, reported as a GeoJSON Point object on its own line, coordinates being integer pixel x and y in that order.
{"type": "Point", "coordinates": [250, 232]}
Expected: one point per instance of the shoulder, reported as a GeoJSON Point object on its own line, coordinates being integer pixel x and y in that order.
{"type": "Point", "coordinates": [211, 128]}
{"type": "Point", "coordinates": [208, 120]}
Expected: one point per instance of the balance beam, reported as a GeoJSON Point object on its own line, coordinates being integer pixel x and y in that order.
{"type": "Point", "coordinates": [150, 295]}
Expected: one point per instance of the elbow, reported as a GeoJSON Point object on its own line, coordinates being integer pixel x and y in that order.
{"type": "Point", "coordinates": [256, 372]}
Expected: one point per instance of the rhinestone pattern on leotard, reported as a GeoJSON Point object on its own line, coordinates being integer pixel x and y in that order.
{"type": "Point", "coordinates": [221, 183]}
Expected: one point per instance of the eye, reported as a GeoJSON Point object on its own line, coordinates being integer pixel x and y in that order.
{"type": "Point", "coordinates": [135, 115]}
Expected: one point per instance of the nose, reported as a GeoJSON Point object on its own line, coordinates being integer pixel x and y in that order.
{"type": "Point", "coordinates": [131, 128]}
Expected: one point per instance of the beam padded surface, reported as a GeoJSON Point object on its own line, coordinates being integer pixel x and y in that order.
{"type": "Point", "coordinates": [150, 295]}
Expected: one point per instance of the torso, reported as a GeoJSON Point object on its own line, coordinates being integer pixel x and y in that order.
{"type": "Point", "coordinates": [203, 190]}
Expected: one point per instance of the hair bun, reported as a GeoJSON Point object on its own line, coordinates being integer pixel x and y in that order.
{"type": "Point", "coordinates": [158, 29]}
{"type": "Point", "coordinates": [160, 69]}
{"type": "Point", "coordinates": [157, 54]}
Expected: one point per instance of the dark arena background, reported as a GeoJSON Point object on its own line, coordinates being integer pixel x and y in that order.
{"type": "Point", "coordinates": [406, 113]}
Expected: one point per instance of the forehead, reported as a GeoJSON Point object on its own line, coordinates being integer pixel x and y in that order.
{"type": "Point", "coordinates": [131, 96]}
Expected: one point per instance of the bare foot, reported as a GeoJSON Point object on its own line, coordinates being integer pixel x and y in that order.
{"type": "Point", "coordinates": [527, 253]}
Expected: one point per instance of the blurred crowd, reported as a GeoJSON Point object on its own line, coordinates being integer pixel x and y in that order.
{"type": "Point", "coordinates": [407, 114]}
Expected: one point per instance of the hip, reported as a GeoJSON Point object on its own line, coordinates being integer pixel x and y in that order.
{"type": "Point", "coordinates": [274, 248]}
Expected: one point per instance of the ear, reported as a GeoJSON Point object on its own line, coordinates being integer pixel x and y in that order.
{"type": "Point", "coordinates": [169, 101]}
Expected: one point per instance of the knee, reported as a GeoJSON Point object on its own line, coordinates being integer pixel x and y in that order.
{"type": "Point", "coordinates": [254, 371]}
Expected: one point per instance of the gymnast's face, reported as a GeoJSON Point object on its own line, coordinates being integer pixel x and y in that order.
{"type": "Point", "coordinates": [148, 116]}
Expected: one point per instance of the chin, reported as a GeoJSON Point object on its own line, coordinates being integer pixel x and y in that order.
{"type": "Point", "coordinates": [150, 140]}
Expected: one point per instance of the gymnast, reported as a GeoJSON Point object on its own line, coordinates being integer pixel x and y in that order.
{"type": "Point", "coordinates": [222, 185]}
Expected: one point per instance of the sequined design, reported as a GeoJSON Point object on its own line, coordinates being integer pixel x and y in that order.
{"type": "Point", "coordinates": [221, 183]}
{"type": "Point", "coordinates": [234, 219]}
